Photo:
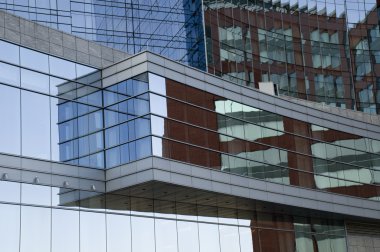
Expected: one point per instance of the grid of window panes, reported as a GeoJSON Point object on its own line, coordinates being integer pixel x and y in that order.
{"type": "Point", "coordinates": [323, 51]}
{"type": "Point", "coordinates": [39, 95]}
{"type": "Point", "coordinates": [36, 218]}
{"type": "Point", "coordinates": [170, 28]}
{"type": "Point", "coordinates": [203, 129]}
{"type": "Point", "coordinates": [127, 121]}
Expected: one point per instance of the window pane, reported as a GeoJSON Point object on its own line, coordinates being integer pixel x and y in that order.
{"type": "Point", "coordinates": [188, 236]}
{"type": "Point", "coordinates": [35, 229]}
{"type": "Point", "coordinates": [142, 234]}
{"type": "Point", "coordinates": [119, 233]}
{"type": "Point", "coordinates": [35, 81]}
{"type": "Point", "coordinates": [65, 230]}
{"type": "Point", "coordinates": [10, 192]}
{"type": "Point", "coordinates": [9, 227]}
{"type": "Point", "coordinates": [35, 125]}
{"type": "Point", "coordinates": [92, 232]}
{"type": "Point", "coordinates": [9, 52]}
{"type": "Point", "coordinates": [166, 235]}
{"type": "Point", "coordinates": [34, 60]}
{"type": "Point", "coordinates": [229, 238]}
{"type": "Point", "coordinates": [13, 74]}
{"type": "Point", "coordinates": [209, 238]}
{"type": "Point", "coordinates": [10, 128]}
{"type": "Point", "coordinates": [35, 194]}
{"type": "Point", "coordinates": [246, 244]}
{"type": "Point", "coordinates": [62, 68]}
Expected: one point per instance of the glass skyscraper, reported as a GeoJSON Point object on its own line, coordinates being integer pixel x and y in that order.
{"type": "Point", "coordinates": [114, 137]}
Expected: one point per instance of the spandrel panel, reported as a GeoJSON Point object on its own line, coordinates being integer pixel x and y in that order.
{"type": "Point", "coordinates": [10, 129]}
{"type": "Point", "coordinates": [65, 230]}
{"type": "Point", "coordinates": [10, 227]}
{"type": "Point", "coordinates": [35, 229]}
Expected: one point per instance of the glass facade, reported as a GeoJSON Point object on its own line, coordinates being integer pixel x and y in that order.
{"type": "Point", "coordinates": [57, 110]}
{"type": "Point", "coordinates": [207, 130]}
{"type": "Point", "coordinates": [50, 219]}
{"type": "Point", "coordinates": [323, 51]}
{"type": "Point", "coordinates": [171, 28]}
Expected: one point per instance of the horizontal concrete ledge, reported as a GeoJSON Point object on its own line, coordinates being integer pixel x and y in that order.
{"type": "Point", "coordinates": [353, 122]}
{"type": "Point", "coordinates": [22, 169]}
{"type": "Point", "coordinates": [47, 40]}
{"type": "Point", "coordinates": [177, 173]}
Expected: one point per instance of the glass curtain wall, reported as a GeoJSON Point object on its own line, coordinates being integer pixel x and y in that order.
{"type": "Point", "coordinates": [40, 218]}
{"type": "Point", "coordinates": [323, 51]}
{"type": "Point", "coordinates": [171, 28]}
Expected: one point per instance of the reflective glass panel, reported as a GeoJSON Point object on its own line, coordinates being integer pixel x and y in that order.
{"type": "Point", "coordinates": [35, 229]}
{"type": "Point", "coordinates": [9, 52]}
{"type": "Point", "coordinates": [35, 194]}
{"type": "Point", "coordinates": [10, 125]}
{"type": "Point", "coordinates": [142, 234]}
{"type": "Point", "coordinates": [166, 235]}
{"type": "Point", "coordinates": [92, 232]}
{"type": "Point", "coordinates": [9, 227]}
{"type": "Point", "coordinates": [119, 233]}
{"type": "Point", "coordinates": [35, 125]}
{"type": "Point", "coordinates": [65, 230]}
{"type": "Point", "coordinates": [34, 60]}
{"type": "Point", "coordinates": [12, 76]}
{"type": "Point", "coordinates": [187, 236]}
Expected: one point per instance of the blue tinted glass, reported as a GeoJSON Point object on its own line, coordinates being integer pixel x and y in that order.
{"type": "Point", "coordinates": [9, 53]}
{"type": "Point", "coordinates": [139, 87]}
{"type": "Point", "coordinates": [124, 133]}
{"type": "Point", "coordinates": [111, 118]}
{"type": "Point", "coordinates": [142, 127]}
{"type": "Point", "coordinates": [62, 68]}
{"type": "Point", "coordinates": [96, 142]}
{"type": "Point", "coordinates": [97, 160]}
{"type": "Point", "coordinates": [83, 125]}
{"type": "Point", "coordinates": [35, 81]}
{"type": "Point", "coordinates": [13, 74]}
{"type": "Point", "coordinates": [95, 121]}
{"type": "Point", "coordinates": [84, 161]}
{"type": "Point", "coordinates": [143, 148]}
{"type": "Point", "coordinates": [10, 125]}
{"type": "Point", "coordinates": [68, 130]}
{"type": "Point", "coordinates": [34, 60]}
{"type": "Point", "coordinates": [84, 148]}
{"type": "Point", "coordinates": [66, 110]}
{"type": "Point", "coordinates": [35, 121]}
{"type": "Point", "coordinates": [112, 136]}
{"type": "Point", "coordinates": [132, 151]}
{"type": "Point", "coordinates": [131, 130]}
{"type": "Point", "coordinates": [113, 157]}
{"type": "Point", "coordinates": [124, 153]}
{"type": "Point", "coordinates": [110, 98]}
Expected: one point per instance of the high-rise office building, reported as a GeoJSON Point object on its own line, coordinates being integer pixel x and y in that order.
{"type": "Point", "coordinates": [114, 138]}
